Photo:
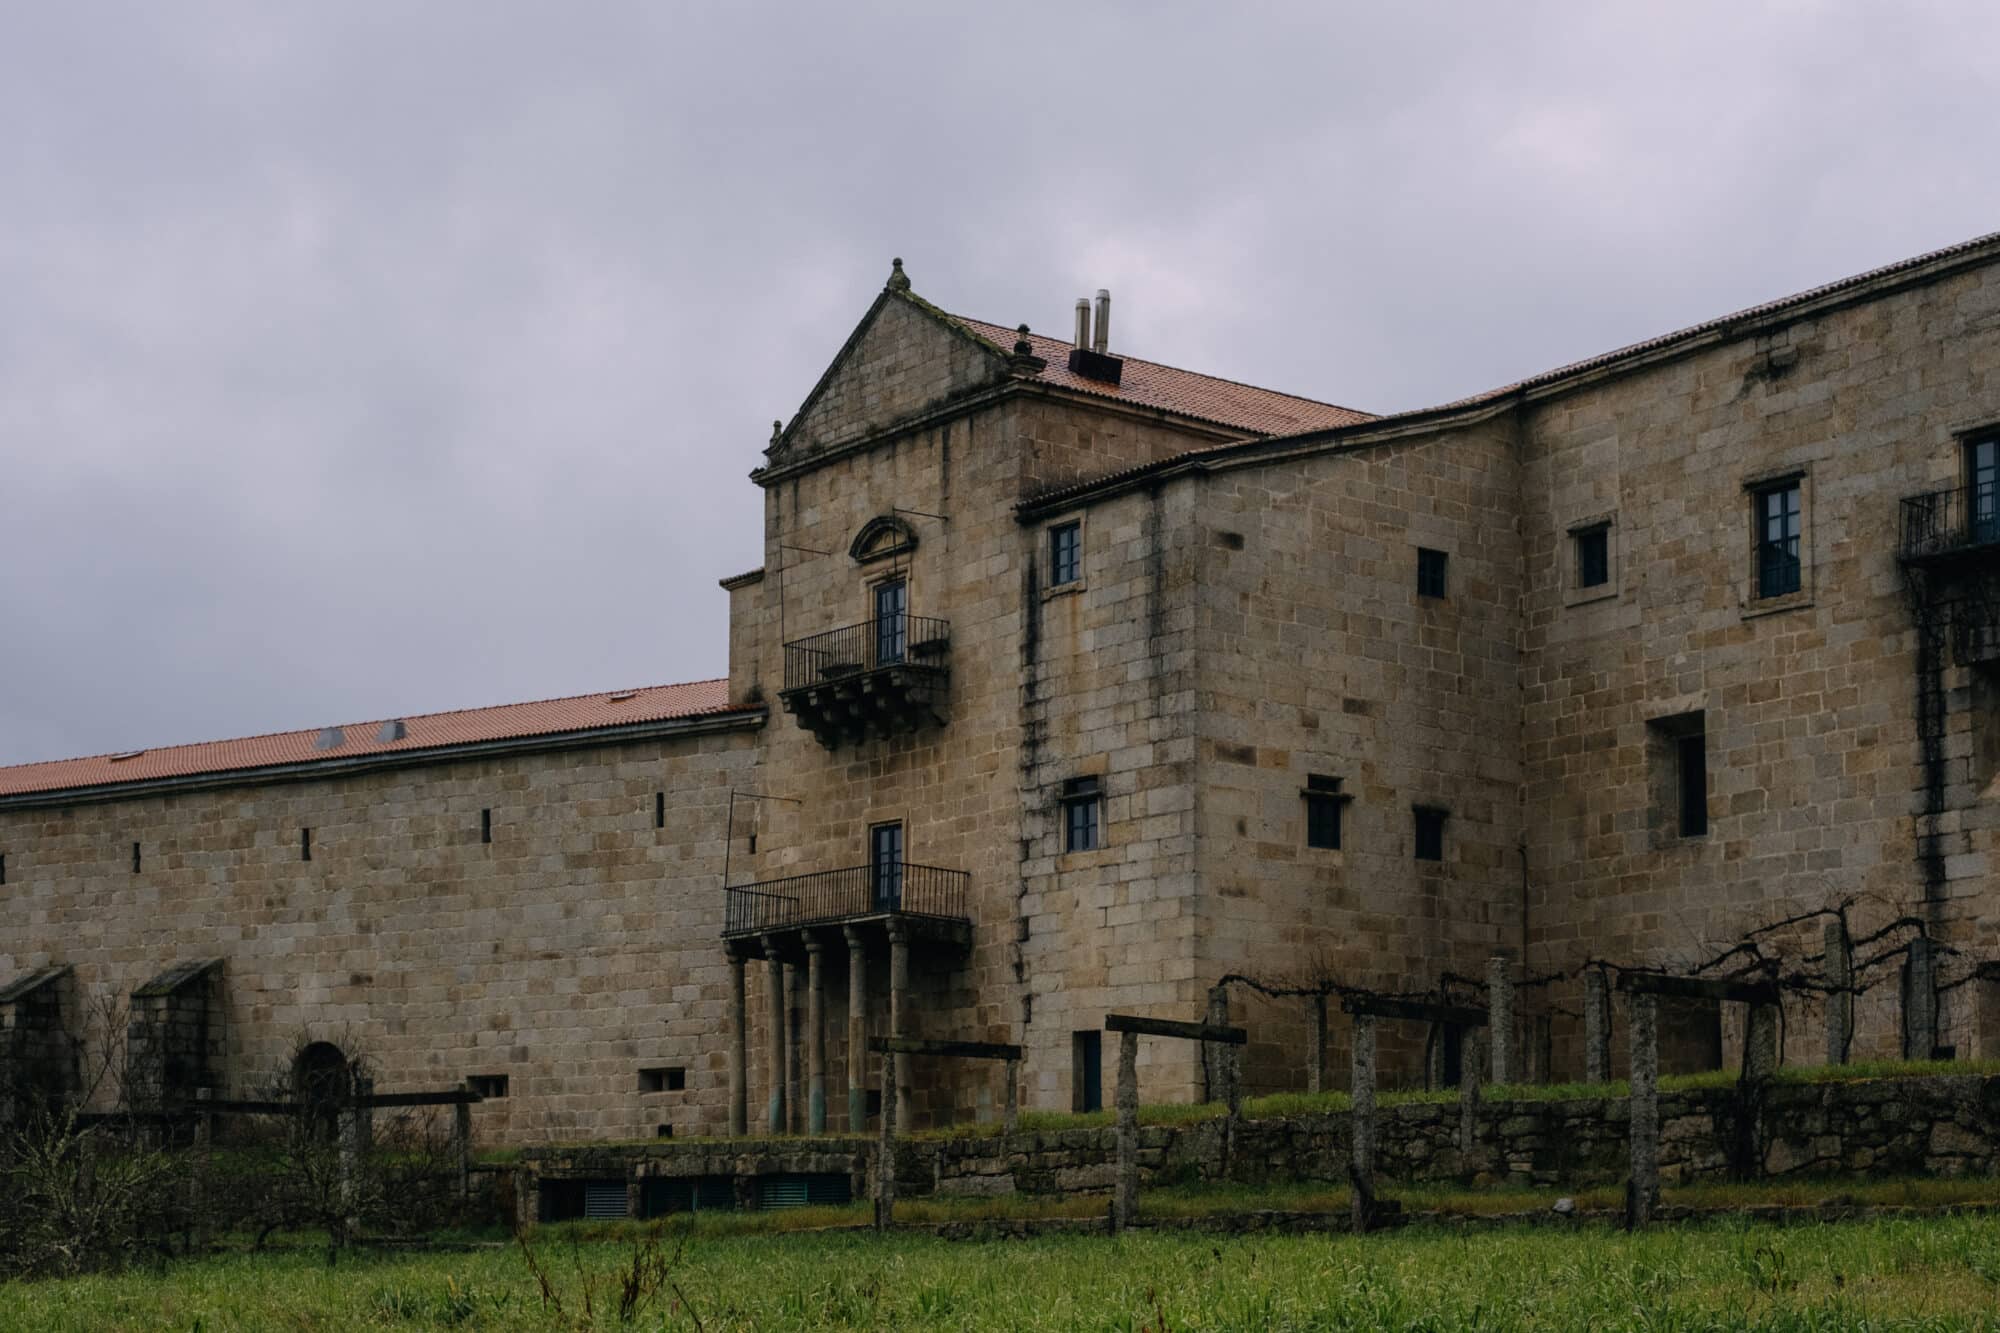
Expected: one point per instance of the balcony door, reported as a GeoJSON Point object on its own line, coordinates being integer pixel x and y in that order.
{"type": "Point", "coordinates": [1982, 482]}
{"type": "Point", "coordinates": [892, 622]}
{"type": "Point", "coordinates": [885, 866]}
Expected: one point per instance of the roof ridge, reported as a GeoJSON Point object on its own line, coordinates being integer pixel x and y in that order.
{"type": "Point", "coordinates": [364, 722]}
{"type": "Point", "coordinates": [1181, 370]}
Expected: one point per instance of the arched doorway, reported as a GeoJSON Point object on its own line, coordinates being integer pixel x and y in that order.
{"type": "Point", "coordinates": [322, 1079]}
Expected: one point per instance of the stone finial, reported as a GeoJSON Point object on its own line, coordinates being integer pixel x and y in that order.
{"type": "Point", "coordinates": [899, 281]}
{"type": "Point", "coordinates": [1022, 347]}
{"type": "Point", "coordinates": [1024, 360]}
{"type": "Point", "coordinates": [777, 430]}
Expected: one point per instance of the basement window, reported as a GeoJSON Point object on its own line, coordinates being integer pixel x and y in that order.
{"type": "Point", "coordinates": [488, 1086]}
{"type": "Point", "coordinates": [1431, 572]}
{"type": "Point", "coordinates": [1323, 799]}
{"type": "Point", "coordinates": [1083, 815]}
{"type": "Point", "coordinates": [666, 1079]}
{"type": "Point", "coordinates": [1429, 832]}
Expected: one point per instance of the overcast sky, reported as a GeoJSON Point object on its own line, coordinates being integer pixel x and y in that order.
{"type": "Point", "coordinates": [360, 359]}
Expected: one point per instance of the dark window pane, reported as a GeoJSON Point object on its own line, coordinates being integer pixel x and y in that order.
{"type": "Point", "coordinates": [1778, 565]}
{"type": "Point", "coordinates": [1065, 554]}
{"type": "Point", "coordinates": [1692, 755]}
{"type": "Point", "coordinates": [886, 865]}
{"type": "Point", "coordinates": [1322, 821]}
{"type": "Point", "coordinates": [1982, 465]}
{"type": "Point", "coordinates": [1430, 572]}
{"type": "Point", "coordinates": [1430, 835]}
{"type": "Point", "coordinates": [1593, 558]}
{"type": "Point", "coordinates": [1080, 824]}
{"type": "Point", "coordinates": [892, 622]}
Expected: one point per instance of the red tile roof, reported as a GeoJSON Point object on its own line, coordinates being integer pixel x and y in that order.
{"type": "Point", "coordinates": [429, 731]}
{"type": "Point", "coordinates": [1149, 384]}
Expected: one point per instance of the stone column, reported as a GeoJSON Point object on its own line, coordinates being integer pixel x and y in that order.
{"type": "Point", "coordinates": [1644, 1189]}
{"type": "Point", "coordinates": [1920, 1002]}
{"type": "Point", "coordinates": [1839, 1003]}
{"type": "Point", "coordinates": [739, 1108]}
{"type": "Point", "coordinates": [1596, 1026]}
{"type": "Point", "coordinates": [1986, 1013]}
{"type": "Point", "coordinates": [1012, 1122]}
{"type": "Point", "coordinates": [885, 1152]}
{"type": "Point", "coordinates": [1468, 1097]}
{"type": "Point", "coordinates": [774, 1105]}
{"type": "Point", "coordinates": [857, 1031]}
{"type": "Point", "coordinates": [899, 1017]}
{"type": "Point", "coordinates": [1760, 1042]}
{"type": "Point", "coordinates": [1316, 1043]}
{"type": "Point", "coordinates": [1125, 1201]}
{"type": "Point", "coordinates": [1362, 1122]}
{"type": "Point", "coordinates": [1500, 1017]}
{"type": "Point", "coordinates": [204, 1138]}
{"type": "Point", "coordinates": [815, 1038]}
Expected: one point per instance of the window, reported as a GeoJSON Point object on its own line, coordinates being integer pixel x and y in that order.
{"type": "Point", "coordinates": [1691, 773]}
{"type": "Point", "coordinates": [1065, 554]}
{"type": "Point", "coordinates": [1430, 572]}
{"type": "Point", "coordinates": [305, 844]}
{"type": "Point", "coordinates": [670, 1079]}
{"type": "Point", "coordinates": [488, 1085]}
{"type": "Point", "coordinates": [660, 811]}
{"type": "Point", "coordinates": [1593, 557]}
{"type": "Point", "coordinates": [1778, 523]}
{"type": "Point", "coordinates": [1082, 801]}
{"type": "Point", "coordinates": [1323, 801]}
{"type": "Point", "coordinates": [885, 866]}
{"type": "Point", "coordinates": [1982, 485]}
{"type": "Point", "coordinates": [1679, 747]}
{"type": "Point", "coordinates": [892, 621]}
{"type": "Point", "coordinates": [1430, 832]}
{"type": "Point", "coordinates": [1086, 1071]}
{"type": "Point", "coordinates": [486, 825]}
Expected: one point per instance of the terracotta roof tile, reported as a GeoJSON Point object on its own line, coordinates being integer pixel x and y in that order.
{"type": "Point", "coordinates": [429, 731]}
{"type": "Point", "coordinates": [1149, 384]}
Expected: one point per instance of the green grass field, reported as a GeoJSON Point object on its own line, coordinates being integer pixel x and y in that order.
{"type": "Point", "coordinates": [1931, 1273]}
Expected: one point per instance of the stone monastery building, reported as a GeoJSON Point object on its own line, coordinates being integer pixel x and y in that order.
{"type": "Point", "coordinates": [1073, 684]}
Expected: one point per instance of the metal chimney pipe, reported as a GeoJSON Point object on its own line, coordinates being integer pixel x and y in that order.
{"type": "Point", "coordinates": [1083, 321]}
{"type": "Point", "coordinates": [1103, 321]}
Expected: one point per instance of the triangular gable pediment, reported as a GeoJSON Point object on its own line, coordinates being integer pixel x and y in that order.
{"type": "Point", "coordinates": [904, 359]}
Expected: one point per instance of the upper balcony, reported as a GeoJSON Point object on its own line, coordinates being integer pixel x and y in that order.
{"type": "Point", "coordinates": [929, 899]}
{"type": "Point", "coordinates": [1960, 524]}
{"type": "Point", "coordinates": [877, 678]}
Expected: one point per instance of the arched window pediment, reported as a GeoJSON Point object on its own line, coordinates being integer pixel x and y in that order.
{"type": "Point", "coordinates": [883, 536]}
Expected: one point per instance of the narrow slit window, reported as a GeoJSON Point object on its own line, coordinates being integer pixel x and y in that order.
{"type": "Point", "coordinates": [486, 825]}
{"type": "Point", "coordinates": [1431, 572]}
{"type": "Point", "coordinates": [1429, 833]}
{"type": "Point", "coordinates": [1323, 800]}
{"type": "Point", "coordinates": [1083, 814]}
{"type": "Point", "coordinates": [135, 858]}
{"type": "Point", "coordinates": [3, 867]}
{"type": "Point", "coordinates": [1691, 767]}
{"type": "Point", "coordinates": [305, 844]}
{"type": "Point", "coordinates": [1065, 554]}
{"type": "Point", "coordinates": [659, 809]}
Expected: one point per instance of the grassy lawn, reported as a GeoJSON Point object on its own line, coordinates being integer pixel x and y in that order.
{"type": "Point", "coordinates": [1936, 1273]}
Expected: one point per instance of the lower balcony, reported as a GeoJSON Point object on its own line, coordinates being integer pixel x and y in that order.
{"type": "Point", "coordinates": [865, 681]}
{"type": "Point", "coordinates": [926, 900]}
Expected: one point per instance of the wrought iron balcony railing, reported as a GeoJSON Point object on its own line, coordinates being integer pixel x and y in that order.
{"type": "Point", "coordinates": [841, 654]}
{"type": "Point", "coordinates": [1939, 523]}
{"type": "Point", "coordinates": [831, 896]}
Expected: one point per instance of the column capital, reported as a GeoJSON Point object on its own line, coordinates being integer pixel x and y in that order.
{"type": "Point", "coordinates": [855, 939]}
{"type": "Point", "coordinates": [813, 942]}
{"type": "Point", "coordinates": [899, 932]}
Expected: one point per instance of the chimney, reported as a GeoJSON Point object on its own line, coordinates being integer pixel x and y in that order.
{"type": "Point", "coordinates": [1089, 357]}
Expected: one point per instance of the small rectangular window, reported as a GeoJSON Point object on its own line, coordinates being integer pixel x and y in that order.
{"type": "Point", "coordinates": [1778, 515]}
{"type": "Point", "coordinates": [135, 858]}
{"type": "Point", "coordinates": [486, 825]}
{"type": "Point", "coordinates": [1086, 1071]}
{"type": "Point", "coordinates": [1065, 554]}
{"type": "Point", "coordinates": [1982, 488]}
{"type": "Point", "coordinates": [1430, 572]}
{"type": "Point", "coordinates": [659, 809]}
{"type": "Point", "coordinates": [1691, 768]}
{"type": "Point", "coordinates": [1593, 557]}
{"type": "Point", "coordinates": [3, 867]}
{"type": "Point", "coordinates": [1323, 800]}
{"type": "Point", "coordinates": [671, 1078]}
{"type": "Point", "coordinates": [488, 1086]}
{"type": "Point", "coordinates": [305, 844]}
{"type": "Point", "coordinates": [1082, 802]}
{"type": "Point", "coordinates": [1429, 833]}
